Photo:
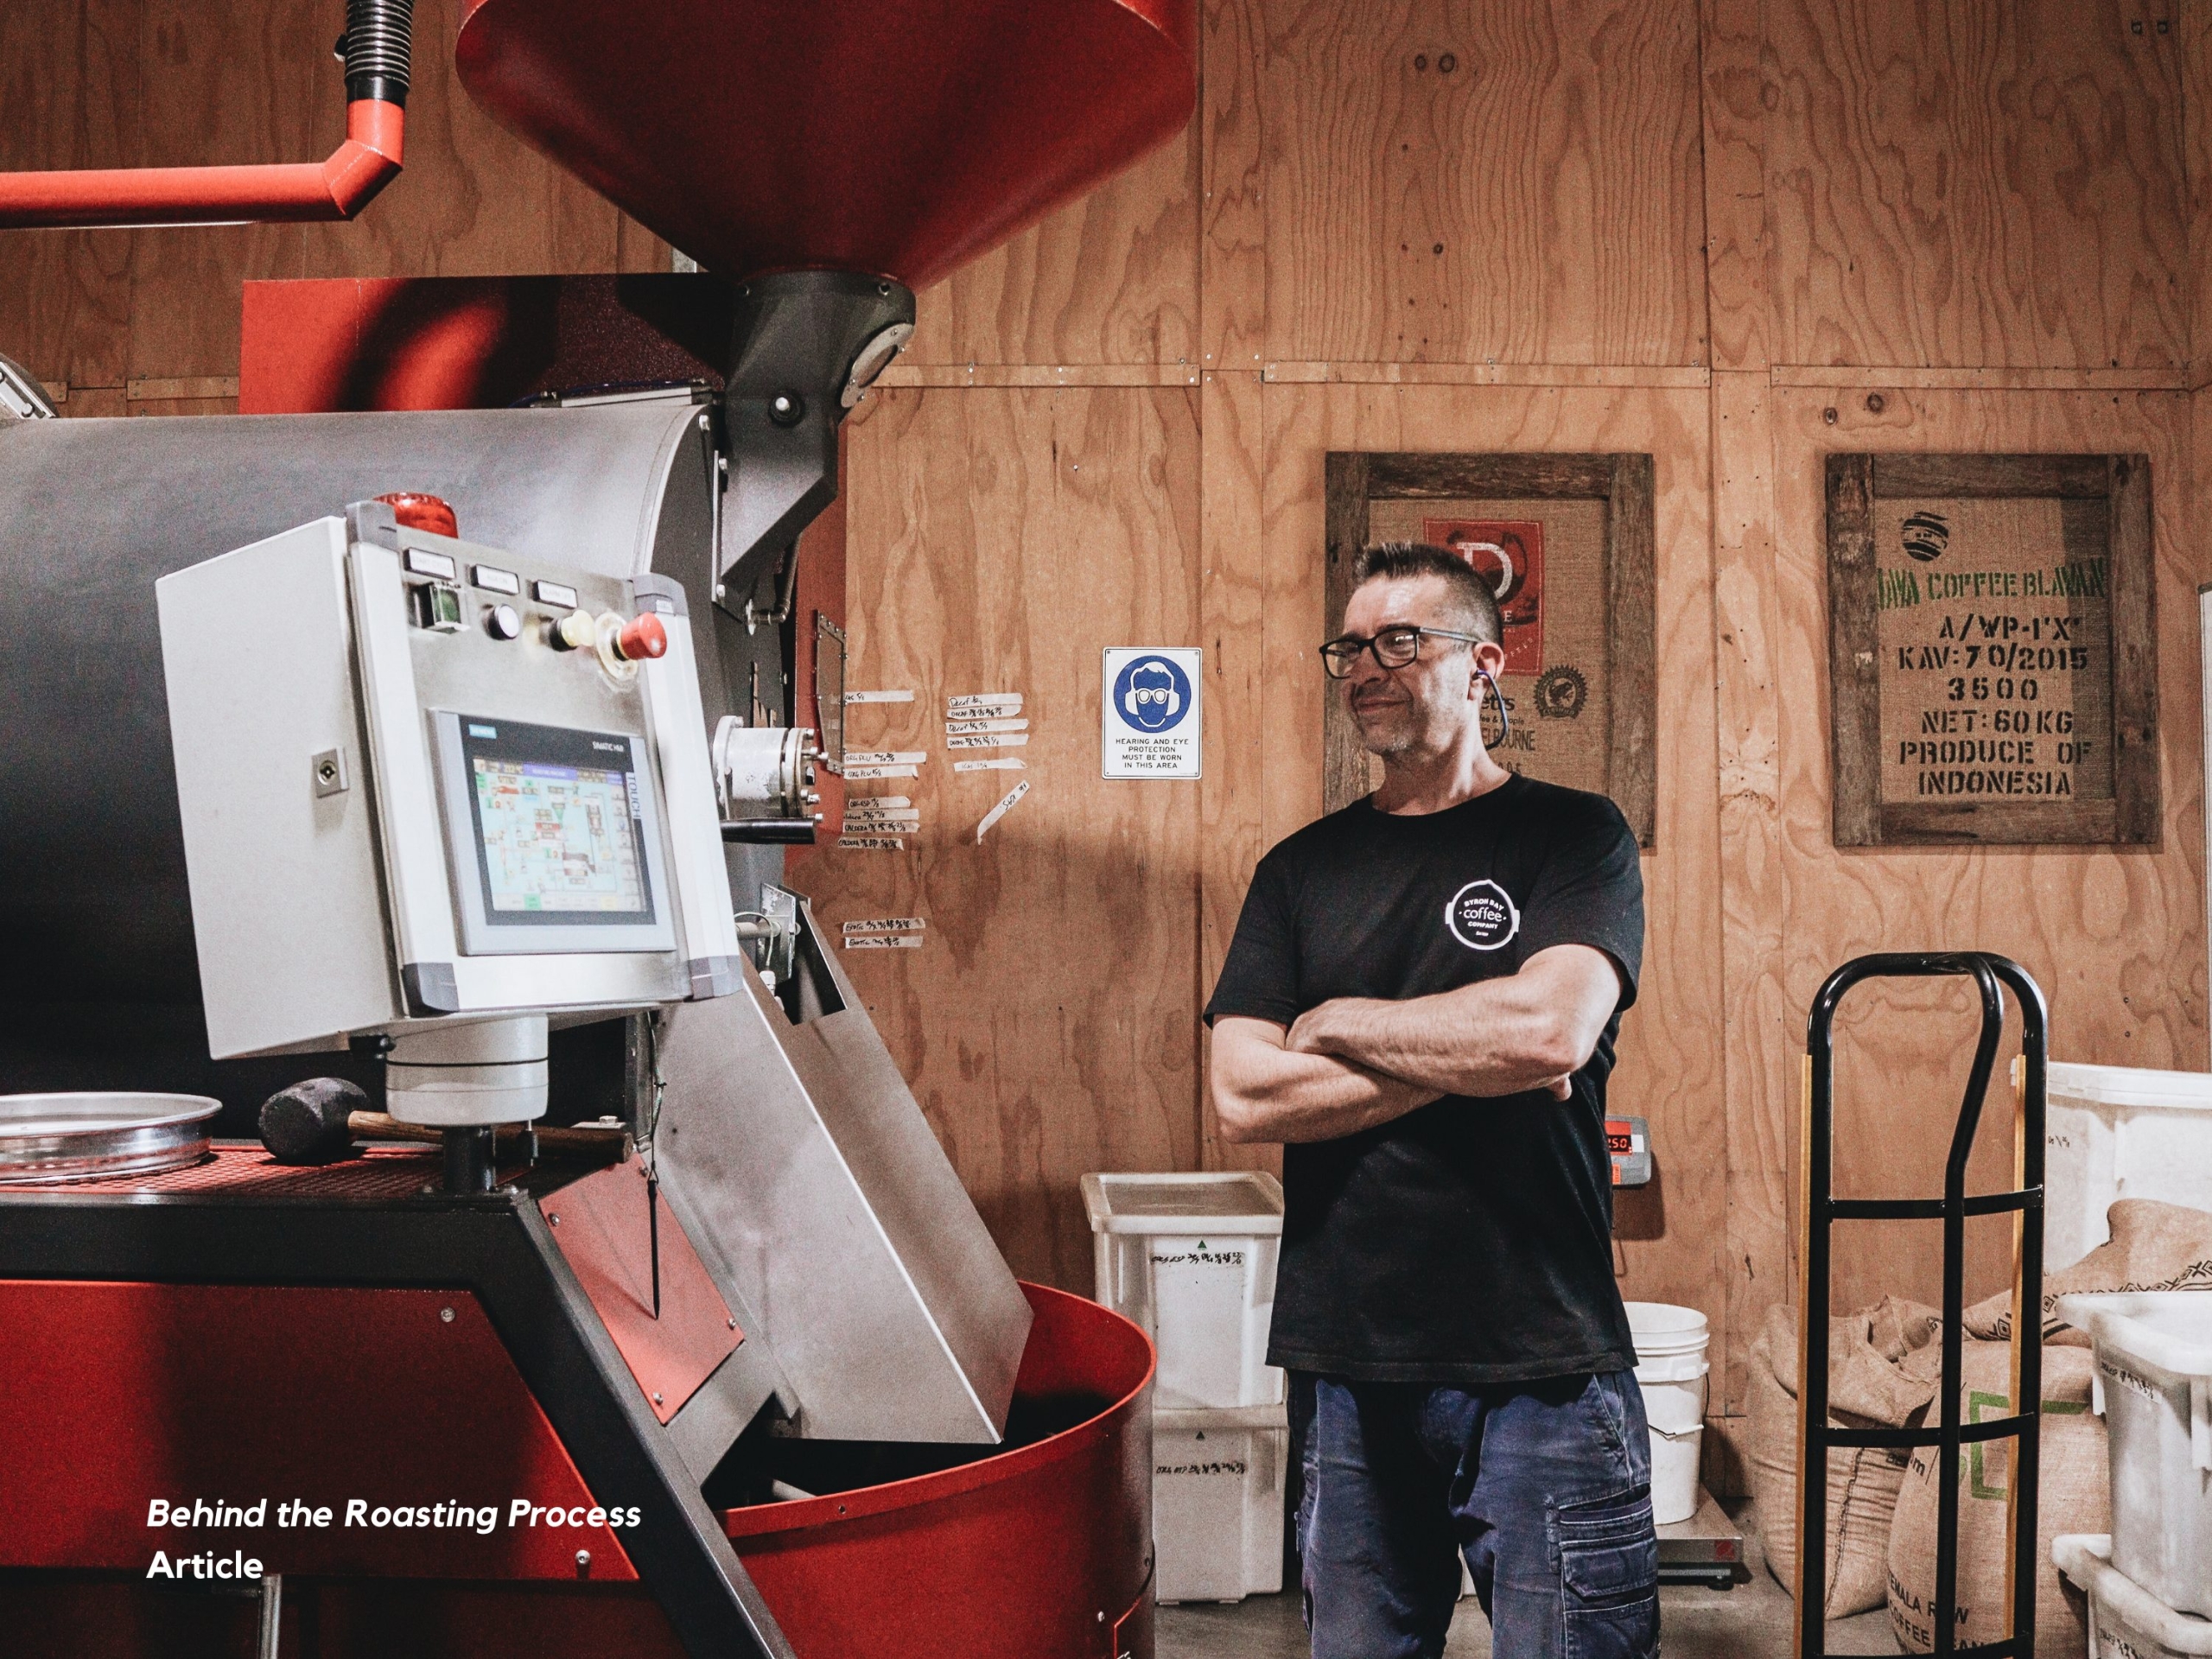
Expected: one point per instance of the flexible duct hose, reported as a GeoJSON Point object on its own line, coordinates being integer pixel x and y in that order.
{"type": "Point", "coordinates": [378, 45]}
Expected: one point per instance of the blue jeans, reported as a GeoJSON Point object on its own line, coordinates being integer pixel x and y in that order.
{"type": "Point", "coordinates": [1544, 1486]}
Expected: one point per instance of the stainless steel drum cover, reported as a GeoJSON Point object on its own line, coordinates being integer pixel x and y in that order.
{"type": "Point", "coordinates": [83, 1137]}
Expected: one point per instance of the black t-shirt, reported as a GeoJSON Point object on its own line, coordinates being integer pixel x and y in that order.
{"type": "Point", "coordinates": [1469, 1241]}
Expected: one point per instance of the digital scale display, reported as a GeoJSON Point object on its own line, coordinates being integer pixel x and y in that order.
{"type": "Point", "coordinates": [553, 835]}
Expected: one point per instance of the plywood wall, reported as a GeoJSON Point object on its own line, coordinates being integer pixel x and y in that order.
{"type": "Point", "coordinates": [1737, 234]}
{"type": "Point", "coordinates": [147, 322]}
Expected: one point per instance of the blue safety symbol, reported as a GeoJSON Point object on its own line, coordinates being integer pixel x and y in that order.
{"type": "Point", "coordinates": [1152, 694]}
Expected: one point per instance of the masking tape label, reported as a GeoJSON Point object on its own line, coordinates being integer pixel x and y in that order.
{"type": "Point", "coordinates": [1005, 805]}
{"type": "Point", "coordinates": [867, 772]}
{"type": "Point", "coordinates": [886, 924]}
{"type": "Point", "coordinates": [989, 740]}
{"type": "Point", "coordinates": [879, 697]}
{"type": "Point", "coordinates": [872, 844]}
{"type": "Point", "coordinates": [991, 766]}
{"type": "Point", "coordinates": [884, 758]}
{"type": "Point", "coordinates": [983, 702]}
{"type": "Point", "coordinates": [884, 942]}
{"type": "Point", "coordinates": [955, 727]}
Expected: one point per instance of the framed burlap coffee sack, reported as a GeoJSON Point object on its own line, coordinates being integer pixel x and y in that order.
{"type": "Point", "coordinates": [1993, 650]}
{"type": "Point", "coordinates": [1565, 541]}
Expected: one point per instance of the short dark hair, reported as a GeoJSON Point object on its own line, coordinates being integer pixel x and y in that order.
{"type": "Point", "coordinates": [1476, 601]}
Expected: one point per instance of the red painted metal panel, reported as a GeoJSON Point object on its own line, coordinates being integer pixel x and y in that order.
{"type": "Point", "coordinates": [600, 1224]}
{"type": "Point", "coordinates": [901, 140]}
{"type": "Point", "coordinates": [117, 1394]}
{"type": "Point", "coordinates": [315, 347]}
{"type": "Point", "coordinates": [1012, 1557]}
{"type": "Point", "coordinates": [1039, 1550]}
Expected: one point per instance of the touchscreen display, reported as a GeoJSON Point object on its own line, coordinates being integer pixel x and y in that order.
{"type": "Point", "coordinates": [560, 836]}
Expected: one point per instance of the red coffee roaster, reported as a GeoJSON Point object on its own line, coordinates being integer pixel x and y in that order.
{"type": "Point", "coordinates": [693, 1371]}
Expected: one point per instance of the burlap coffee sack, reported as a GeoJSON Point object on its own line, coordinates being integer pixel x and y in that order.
{"type": "Point", "coordinates": [2154, 1246]}
{"type": "Point", "coordinates": [1867, 1386]}
{"type": "Point", "coordinates": [2074, 1497]}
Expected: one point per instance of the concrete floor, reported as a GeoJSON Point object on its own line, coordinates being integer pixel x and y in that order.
{"type": "Point", "coordinates": [1752, 1621]}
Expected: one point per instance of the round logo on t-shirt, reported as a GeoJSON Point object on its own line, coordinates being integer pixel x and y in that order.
{"type": "Point", "coordinates": [1482, 915]}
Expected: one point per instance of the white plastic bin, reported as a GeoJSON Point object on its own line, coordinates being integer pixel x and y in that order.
{"type": "Point", "coordinates": [1217, 1502]}
{"type": "Point", "coordinates": [2153, 1384]}
{"type": "Point", "coordinates": [2125, 1620]}
{"type": "Point", "coordinates": [1671, 1368]}
{"type": "Point", "coordinates": [1191, 1258]}
{"type": "Point", "coordinates": [2120, 1132]}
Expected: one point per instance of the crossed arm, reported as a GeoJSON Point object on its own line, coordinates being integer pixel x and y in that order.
{"type": "Point", "coordinates": [1354, 1062]}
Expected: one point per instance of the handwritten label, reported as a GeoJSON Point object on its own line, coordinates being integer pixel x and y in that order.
{"type": "Point", "coordinates": [872, 844]}
{"type": "Point", "coordinates": [879, 697]}
{"type": "Point", "coordinates": [870, 803]}
{"type": "Point", "coordinates": [1010, 764]}
{"type": "Point", "coordinates": [1006, 805]}
{"type": "Point", "coordinates": [955, 728]}
{"type": "Point", "coordinates": [886, 924]}
{"type": "Point", "coordinates": [989, 740]}
{"type": "Point", "coordinates": [886, 757]}
{"type": "Point", "coordinates": [977, 703]}
{"type": "Point", "coordinates": [885, 942]}
{"type": "Point", "coordinates": [863, 774]}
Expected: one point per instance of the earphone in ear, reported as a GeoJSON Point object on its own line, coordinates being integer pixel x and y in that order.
{"type": "Point", "coordinates": [1505, 720]}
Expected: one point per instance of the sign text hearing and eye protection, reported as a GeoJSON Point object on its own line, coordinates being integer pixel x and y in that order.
{"type": "Point", "coordinates": [1149, 712]}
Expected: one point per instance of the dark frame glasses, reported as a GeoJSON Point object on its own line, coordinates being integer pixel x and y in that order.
{"type": "Point", "coordinates": [1395, 647]}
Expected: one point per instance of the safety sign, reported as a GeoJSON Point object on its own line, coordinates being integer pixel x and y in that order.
{"type": "Point", "coordinates": [1150, 711]}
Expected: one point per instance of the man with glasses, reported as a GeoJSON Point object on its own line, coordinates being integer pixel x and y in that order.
{"type": "Point", "coordinates": [1421, 1002]}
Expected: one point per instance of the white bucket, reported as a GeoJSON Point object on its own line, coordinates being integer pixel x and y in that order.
{"type": "Point", "coordinates": [1670, 1368]}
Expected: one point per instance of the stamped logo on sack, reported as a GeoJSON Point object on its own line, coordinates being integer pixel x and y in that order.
{"type": "Point", "coordinates": [1482, 915]}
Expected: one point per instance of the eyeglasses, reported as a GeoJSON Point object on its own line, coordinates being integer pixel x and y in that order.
{"type": "Point", "coordinates": [1393, 647]}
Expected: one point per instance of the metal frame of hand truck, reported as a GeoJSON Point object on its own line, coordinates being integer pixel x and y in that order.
{"type": "Point", "coordinates": [1820, 1210]}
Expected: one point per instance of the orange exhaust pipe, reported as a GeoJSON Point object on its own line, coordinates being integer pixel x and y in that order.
{"type": "Point", "coordinates": [95, 198]}
{"type": "Point", "coordinates": [376, 47]}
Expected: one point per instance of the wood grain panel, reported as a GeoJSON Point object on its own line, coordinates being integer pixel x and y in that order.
{"type": "Point", "coordinates": [1110, 278]}
{"type": "Point", "coordinates": [1232, 609]}
{"type": "Point", "coordinates": [249, 80]}
{"type": "Point", "coordinates": [1735, 92]}
{"type": "Point", "coordinates": [1233, 248]}
{"type": "Point", "coordinates": [226, 81]}
{"type": "Point", "coordinates": [999, 541]}
{"type": "Point", "coordinates": [69, 77]}
{"type": "Point", "coordinates": [474, 201]}
{"type": "Point", "coordinates": [1759, 1020]}
{"type": "Point", "coordinates": [1456, 182]}
{"type": "Point", "coordinates": [2114, 937]}
{"type": "Point", "coordinates": [1672, 1235]}
{"type": "Point", "coordinates": [1988, 181]}
{"type": "Point", "coordinates": [2196, 138]}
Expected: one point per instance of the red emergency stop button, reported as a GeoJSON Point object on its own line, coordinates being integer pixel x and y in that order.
{"type": "Point", "coordinates": [417, 511]}
{"type": "Point", "coordinates": [642, 637]}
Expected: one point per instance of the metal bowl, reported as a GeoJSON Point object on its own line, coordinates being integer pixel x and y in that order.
{"type": "Point", "coordinates": [86, 1136]}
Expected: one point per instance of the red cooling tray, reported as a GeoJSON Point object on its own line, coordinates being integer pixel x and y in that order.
{"type": "Point", "coordinates": [900, 138]}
